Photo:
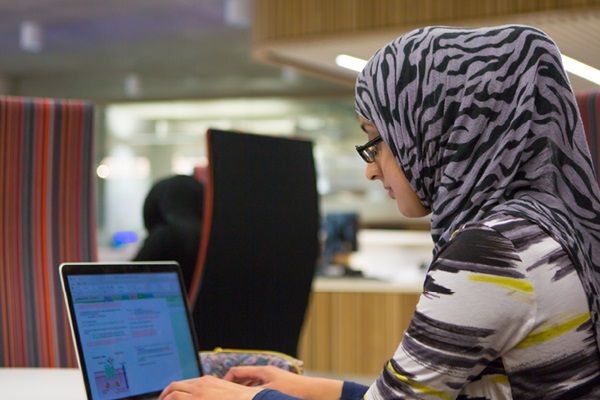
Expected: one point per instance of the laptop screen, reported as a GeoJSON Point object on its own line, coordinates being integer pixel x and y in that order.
{"type": "Point", "coordinates": [133, 332]}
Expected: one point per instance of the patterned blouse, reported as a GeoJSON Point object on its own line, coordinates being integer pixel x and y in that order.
{"type": "Point", "coordinates": [503, 315]}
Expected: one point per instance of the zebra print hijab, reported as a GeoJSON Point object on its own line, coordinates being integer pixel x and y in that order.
{"type": "Point", "coordinates": [483, 121]}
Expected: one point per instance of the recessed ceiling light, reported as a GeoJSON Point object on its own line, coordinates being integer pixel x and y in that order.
{"type": "Point", "coordinates": [31, 36]}
{"type": "Point", "coordinates": [132, 85]}
{"type": "Point", "coordinates": [237, 13]}
{"type": "Point", "coordinates": [581, 70]}
{"type": "Point", "coordinates": [350, 62]}
{"type": "Point", "coordinates": [571, 65]}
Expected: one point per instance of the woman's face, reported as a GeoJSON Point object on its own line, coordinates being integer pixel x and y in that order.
{"type": "Point", "coordinates": [386, 169]}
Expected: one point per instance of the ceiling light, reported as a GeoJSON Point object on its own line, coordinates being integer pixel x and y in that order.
{"type": "Point", "coordinates": [349, 62]}
{"type": "Point", "coordinates": [581, 70]}
{"type": "Point", "coordinates": [133, 85]}
{"type": "Point", "coordinates": [237, 13]}
{"type": "Point", "coordinates": [31, 36]}
{"type": "Point", "coordinates": [103, 171]}
{"type": "Point", "coordinates": [571, 65]}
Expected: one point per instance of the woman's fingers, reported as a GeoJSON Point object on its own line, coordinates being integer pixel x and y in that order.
{"type": "Point", "coordinates": [178, 396]}
{"type": "Point", "coordinates": [184, 387]}
{"type": "Point", "coordinates": [249, 376]}
{"type": "Point", "coordinates": [208, 388]}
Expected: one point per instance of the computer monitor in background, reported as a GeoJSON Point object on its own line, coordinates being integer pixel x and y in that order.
{"type": "Point", "coordinates": [340, 236]}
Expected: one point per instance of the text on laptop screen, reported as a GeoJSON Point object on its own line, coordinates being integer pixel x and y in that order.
{"type": "Point", "coordinates": [134, 332]}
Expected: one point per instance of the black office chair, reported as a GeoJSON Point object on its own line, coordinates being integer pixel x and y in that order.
{"type": "Point", "coordinates": [260, 243]}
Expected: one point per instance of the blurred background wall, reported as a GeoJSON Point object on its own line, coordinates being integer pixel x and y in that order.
{"type": "Point", "coordinates": [162, 71]}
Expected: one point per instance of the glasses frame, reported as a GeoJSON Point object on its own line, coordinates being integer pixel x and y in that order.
{"type": "Point", "coordinates": [368, 151]}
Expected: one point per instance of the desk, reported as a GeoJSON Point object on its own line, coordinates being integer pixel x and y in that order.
{"type": "Point", "coordinates": [41, 383]}
{"type": "Point", "coordinates": [352, 326]}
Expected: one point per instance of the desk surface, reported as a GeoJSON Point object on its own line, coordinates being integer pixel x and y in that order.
{"type": "Point", "coordinates": [67, 383]}
{"type": "Point", "coordinates": [41, 383]}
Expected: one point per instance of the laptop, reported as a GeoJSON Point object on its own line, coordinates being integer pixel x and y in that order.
{"type": "Point", "coordinates": [131, 327]}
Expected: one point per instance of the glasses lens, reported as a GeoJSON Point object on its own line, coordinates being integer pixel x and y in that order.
{"type": "Point", "coordinates": [369, 154]}
{"type": "Point", "coordinates": [368, 151]}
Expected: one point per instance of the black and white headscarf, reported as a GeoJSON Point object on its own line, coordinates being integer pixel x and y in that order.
{"type": "Point", "coordinates": [483, 121]}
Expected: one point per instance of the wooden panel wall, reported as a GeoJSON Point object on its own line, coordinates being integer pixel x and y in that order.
{"type": "Point", "coordinates": [287, 19]}
{"type": "Point", "coordinates": [354, 333]}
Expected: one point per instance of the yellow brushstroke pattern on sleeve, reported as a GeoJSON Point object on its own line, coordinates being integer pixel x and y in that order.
{"type": "Point", "coordinates": [499, 379]}
{"type": "Point", "coordinates": [521, 285]}
{"type": "Point", "coordinates": [554, 331]}
{"type": "Point", "coordinates": [418, 386]}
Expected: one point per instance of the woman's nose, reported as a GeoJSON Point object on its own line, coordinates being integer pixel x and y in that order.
{"type": "Point", "coordinates": [372, 171]}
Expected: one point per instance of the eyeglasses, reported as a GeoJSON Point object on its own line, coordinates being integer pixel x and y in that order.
{"type": "Point", "coordinates": [368, 151]}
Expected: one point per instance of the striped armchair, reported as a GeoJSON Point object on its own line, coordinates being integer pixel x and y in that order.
{"type": "Point", "coordinates": [589, 108]}
{"type": "Point", "coordinates": [46, 217]}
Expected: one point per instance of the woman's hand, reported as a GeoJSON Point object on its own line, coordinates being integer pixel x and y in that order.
{"type": "Point", "coordinates": [289, 383]}
{"type": "Point", "coordinates": [208, 388]}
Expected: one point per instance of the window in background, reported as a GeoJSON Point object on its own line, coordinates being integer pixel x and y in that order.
{"type": "Point", "coordinates": [170, 136]}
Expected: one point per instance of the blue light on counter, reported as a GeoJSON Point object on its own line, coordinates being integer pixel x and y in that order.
{"type": "Point", "coordinates": [122, 238]}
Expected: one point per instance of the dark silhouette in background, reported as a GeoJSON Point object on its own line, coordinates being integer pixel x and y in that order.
{"type": "Point", "coordinates": [173, 218]}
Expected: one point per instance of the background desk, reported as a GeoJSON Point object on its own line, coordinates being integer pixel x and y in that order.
{"type": "Point", "coordinates": [354, 325]}
{"type": "Point", "coordinates": [41, 383]}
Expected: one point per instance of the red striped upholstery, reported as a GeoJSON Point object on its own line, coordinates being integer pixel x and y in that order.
{"type": "Point", "coordinates": [589, 108]}
{"type": "Point", "coordinates": [46, 217]}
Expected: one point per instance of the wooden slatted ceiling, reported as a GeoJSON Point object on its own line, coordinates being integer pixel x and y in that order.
{"type": "Point", "coordinates": [576, 32]}
{"type": "Point", "coordinates": [286, 19]}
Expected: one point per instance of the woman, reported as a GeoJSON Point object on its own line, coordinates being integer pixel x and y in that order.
{"type": "Point", "coordinates": [478, 127]}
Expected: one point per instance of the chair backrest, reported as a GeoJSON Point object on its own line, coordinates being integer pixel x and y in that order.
{"type": "Point", "coordinates": [589, 109]}
{"type": "Point", "coordinates": [260, 242]}
{"type": "Point", "coordinates": [46, 217]}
